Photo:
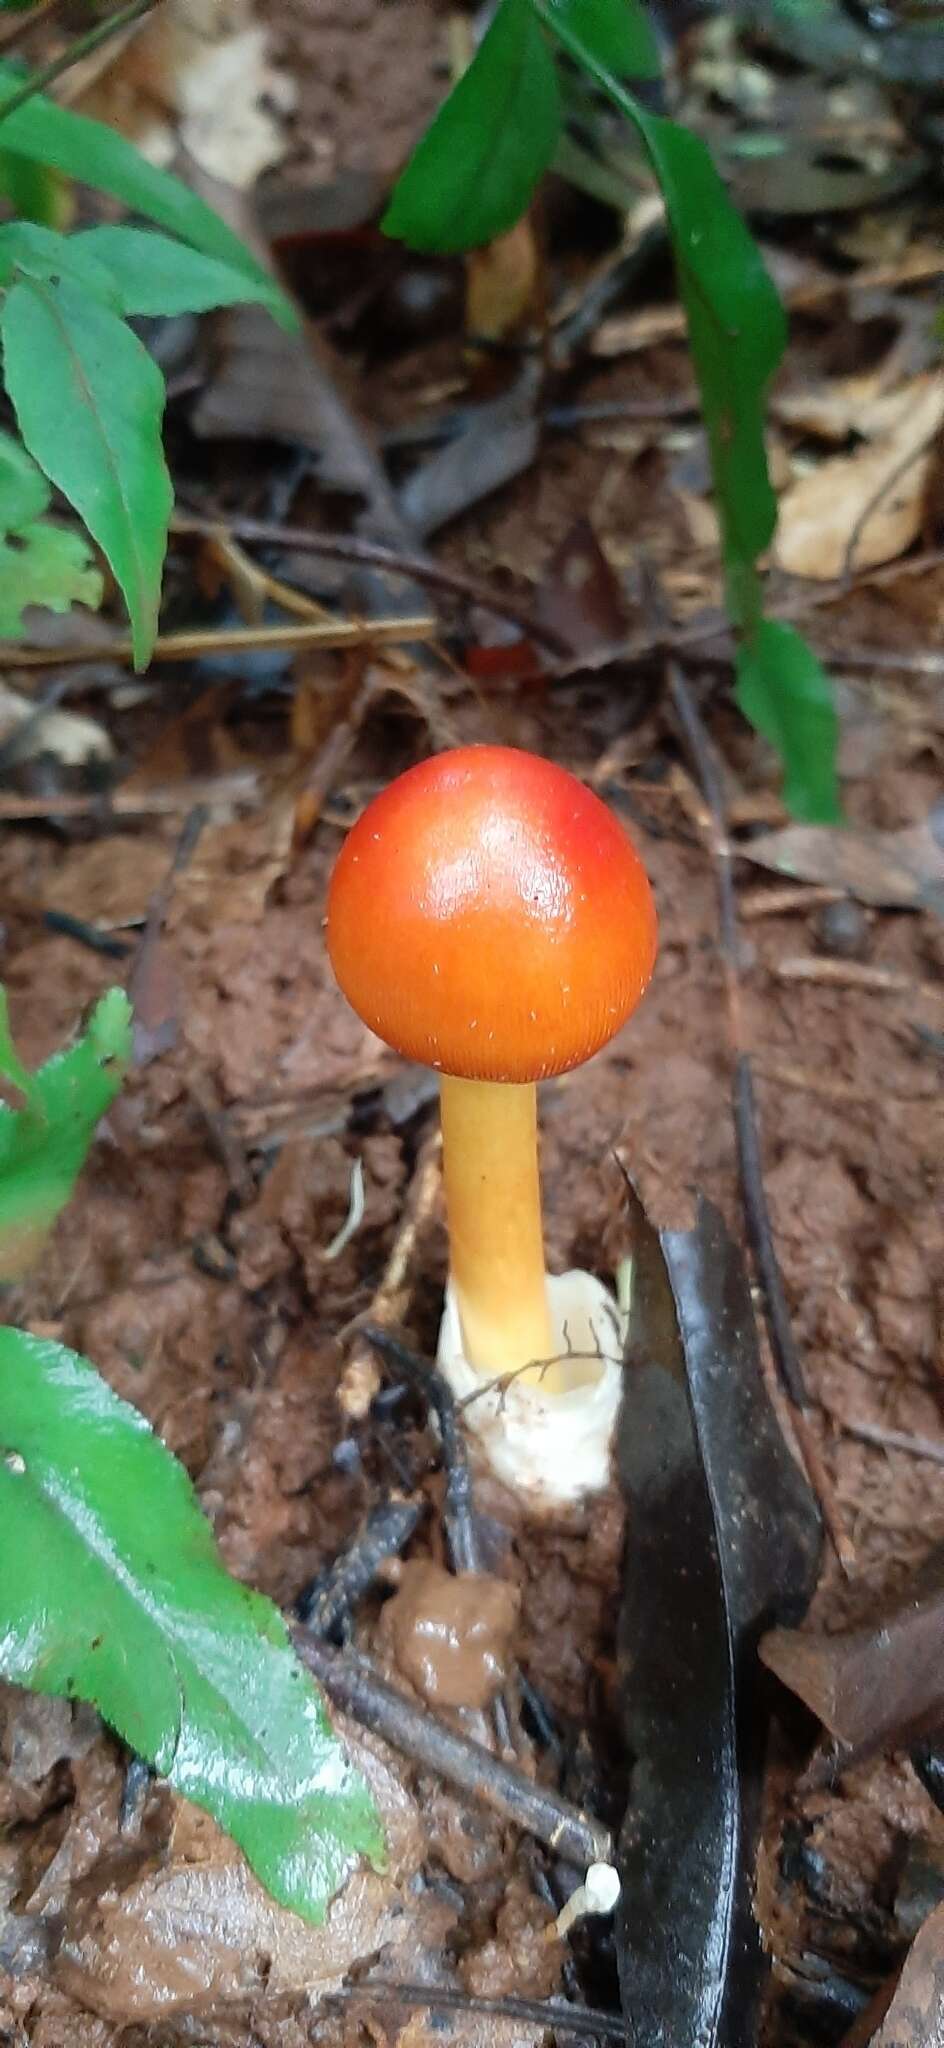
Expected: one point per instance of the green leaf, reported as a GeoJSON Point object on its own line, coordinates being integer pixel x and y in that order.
{"type": "Point", "coordinates": [96, 155]}
{"type": "Point", "coordinates": [40, 562]}
{"type": "Point", "coordinates": [44, 564]}
{"type": "Point", "coordinates": [472, 175]}
{"type": "Point", "coordinates": [112, 1590]}
{"type": "Point", "coordinates": [154, 274]}
{"type": "Point", "coordinates": [30, 250]}
{"type": "Point", "coordinates": [618, 32]}
{"type": "Point", "coordinates": [43, 1145]}
{"type": "Point", "coordinates": [33, 189]}
{"type": "Point", "coordinates": [88, 400]}
{"type": "Point", "coordinates": [785, 692]}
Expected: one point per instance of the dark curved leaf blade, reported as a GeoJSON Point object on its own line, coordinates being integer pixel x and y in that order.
{"type": "Point", "coordinates": [474, 171]}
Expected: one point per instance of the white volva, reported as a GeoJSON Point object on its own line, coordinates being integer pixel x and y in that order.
{"type": "Point", "coordinates": [551, 1448]}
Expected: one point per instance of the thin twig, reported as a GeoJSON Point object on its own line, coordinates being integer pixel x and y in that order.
{"type": "Point", "coordinates": [193, 646]}
{"type": "Point", "coordinates": [928, 1447]}
{"type": "Point", "coordinates": [457, 1506]}
{"type": "Point", "coordinates": [853, 974]}
{"type": "Point", "coordinates": [82, 47]}
{"type": "Point", "coordinates": [353, 1684]}
{"type": "Point", "coordinates": [750, 1164]}
{"type": "Point", "coordinates": [326, 1605]}
{"type": "Point", "coordinates": [336, 547]}
{"type": "Point", "coordinates": [552, 2015]}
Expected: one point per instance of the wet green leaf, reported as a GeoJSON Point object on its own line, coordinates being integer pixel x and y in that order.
{"type": "Point", "coordinates": [89, 400]}
{"type": "Point", "coordinates": [785, 692]}
{"type": "Point", "coordinates": [472, 175]}
{"type": "Point", "coordinates": [618, 32]}
{"type": "Point", "coordinates": [112, 1590]}
{"type": "Point", "coordinates": [43, 1144]}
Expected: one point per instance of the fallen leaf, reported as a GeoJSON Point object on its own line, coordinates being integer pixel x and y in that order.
{"type": "Point", "coordinates": [580, 596]}
{"type": "Point", "coordinates": [879, 1683]}
{"type": "Point", "coordinates": [868, 506]}
{"type": "Point", "coordinates": [502, 441]}
{"type": "Point", "coordinates": [901, 870]}
{"type": "Point", "coordinates": [915, 2017]}
{"type": "Point", "coordinates": [723, 1533]}
{"type": "Point", "coordinates": [197, 73]}
{"type": "Point", "coordinates": [67, 735]}
{"type": "Point", "coordinates": [108, 883]}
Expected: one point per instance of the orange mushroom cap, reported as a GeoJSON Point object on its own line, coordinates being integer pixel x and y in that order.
{"type": "Point", "coordinates": [488, 916]}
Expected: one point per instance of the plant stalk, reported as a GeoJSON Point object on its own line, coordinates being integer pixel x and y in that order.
{"type": "Point", "coordinates": [82, 47]}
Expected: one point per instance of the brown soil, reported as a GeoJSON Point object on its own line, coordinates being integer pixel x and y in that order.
{"type": "Point", "coordinates": [193, 1267]}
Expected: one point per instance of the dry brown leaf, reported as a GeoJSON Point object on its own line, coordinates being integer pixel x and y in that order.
{"type": "Point", "coordinates": [893, 870]}
{"type": "Point", "coordinates": [821, 514]}
{"type": "Point", "coordinates": [68, 736]}
{"type": "Point", "coordinates": [197, 73]}
{"type": "Point", "coordinates": [860, 405]}
{"type": "Point", "coordinates": [915, 2017]}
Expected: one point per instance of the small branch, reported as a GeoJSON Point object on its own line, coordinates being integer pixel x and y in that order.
{"type": "Point", "coordinates": [82, 47]}
{"type": "Point", "coordinates": [335, 547]}
{"type": "Point", "coordinates": [351, 1682]}
{"type": "Point", "coordinates": [326, 1605]}
{"type": "Point", "coordinates": [928, 1447]}
{"type": "Point", "coordinates": [551, 2015]}
{"type": "Point", "coordinates": [457, 1506]}
{"type": "Point", "coordinates": [309, 633]}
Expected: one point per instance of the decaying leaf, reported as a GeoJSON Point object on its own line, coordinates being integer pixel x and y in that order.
{"type": "Point", "coordinates": [580, 596]}
{"type": "Point", "coordinates": [502, 441]}
{"type": "Point", "coordinates": [69, 736]}
{"type": "Point", "coordinates": [869, 505]}
{"type": "Point", "coordinates": [723, 1533]}
{"type": "Point", "coordinates": [879, 1683]}
{"type": "Point", "coordinates": [197, 72]}
{"type": "Point", "coordinates": [894, 870]}
{"type": "Point", "coordinates": [915, 2017]}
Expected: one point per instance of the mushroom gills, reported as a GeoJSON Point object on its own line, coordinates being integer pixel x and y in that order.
{"type": "Point", "coordinates": [551, 1448]}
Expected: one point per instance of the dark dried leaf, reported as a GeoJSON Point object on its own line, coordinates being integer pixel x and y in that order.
{"type": "Point", "coordinates": [723, 1534]}
{"type": "Point", "coordinates": [876, 1684]}
{"type": "Point", "coordinates": [915, 2017]}
{"type": "Point", "coordinates": [895, 870]}
{"type": "Point", "coordinates": [580, 597]}
{"type": "Point", "coordinates": [502, 440]}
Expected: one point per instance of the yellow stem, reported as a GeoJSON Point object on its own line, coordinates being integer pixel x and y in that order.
{"type": "Point", "coordinates": [493, 1199]}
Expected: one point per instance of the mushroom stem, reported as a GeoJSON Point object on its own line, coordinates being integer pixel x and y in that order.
{"type": "Point", "coordinates": [493, 1200]}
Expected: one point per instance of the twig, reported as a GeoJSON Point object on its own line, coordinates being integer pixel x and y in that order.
{"type": "Point", "coordinates": [780, 902]}
{"type": "Point", "coordinates": [336, 547]}
{"type": "Point", "coordinates": [352, 1683]}
{"type": "Point", "coordinates": [326, 1605]}
{"type": "Point", "coordinates": [552, 2015]}
{"type": "Point", "coordinates": [928, 1447]}
{"type": "Point", "coordinates": [853, 974]}
{"type": "Point", "coordinates": [753, 1194]}
{"type": "Point", "coordinates": [326, 634]}
{"type": "Point", "coordinates": [457, 1506]}
{"type": "Point", "coordinates": [242, 787]}
{"type": "Point", "coordinates": [82, 47]}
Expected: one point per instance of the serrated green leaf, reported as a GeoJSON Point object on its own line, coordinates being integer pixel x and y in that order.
{"type": "Point", "coordinates": [112, 1590]}
{"type": "Point", "coordinates": [618, 32]}
{"type": "Point", "coordinates": [43, 1145]}
{"type": "Point", "coordinates": [474, 171]}
{"type": "Point", "coordinates": [44, 564]}
{"type": "Point", "coordinates": [96, 155]}
{"type": "Point", "coordinates": [785, 692]}
{"type": "Point", "coordinates": [40, 562]}
{"type": "Point", "coordinates": [29, 250]}
{"type": "Point", "coordinates": [89, 400]}
{"type": "Point", "coordinates": [155, 274]}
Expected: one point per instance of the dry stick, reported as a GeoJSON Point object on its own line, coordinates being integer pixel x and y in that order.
{"type": "Point", "coordinates": [317, 633]}
{"type": "Point", "coordinates": [336, 547]}
{"type": "Point", "coordinates": [552, 2014]}
{"type": "Point", "coordinates": [928, 1447]}
{"type": "Point", "coordinates": [756, 1212]}
{"type": "Point", "coordinates": [457, 1506]}
{"type": "Point", "coordinates": [854, 974]}
{"type": "Point", "coordinates": [353, 1684]}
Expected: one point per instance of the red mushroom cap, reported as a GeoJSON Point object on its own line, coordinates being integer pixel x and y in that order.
{"type": "Point", "coordinates": [488, 916]}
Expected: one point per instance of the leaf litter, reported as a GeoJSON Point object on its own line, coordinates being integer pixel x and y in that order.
{"type": "Point", "coordinates": [211, 1309]}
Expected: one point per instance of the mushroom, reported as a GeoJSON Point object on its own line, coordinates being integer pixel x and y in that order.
{"type": "Point", "coordinates": [489, 917]}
